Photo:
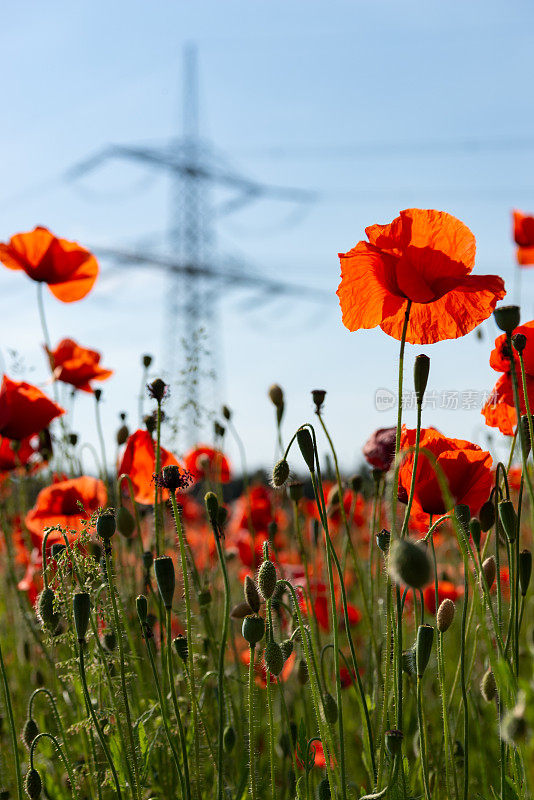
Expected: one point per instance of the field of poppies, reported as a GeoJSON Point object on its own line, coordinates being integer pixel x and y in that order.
{"type": "Point", "coordinates": [173, 627]}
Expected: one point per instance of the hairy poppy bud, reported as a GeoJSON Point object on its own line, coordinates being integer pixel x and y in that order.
{"type": "Point", "coordinates": [383, 540]}
{"type": "Point", "coordinates": [305, 443]}
{"type": "Point", "coordinates": [302, 672]}
{"type": "Point", "coordinates": [519, 341]}
{"type": "Point", "coordinates": [147, 360]}
{"type": "Point", "coordinates": [513, 727]}
{"type": "Point", "coordinates": [251, 594]}
{"type": "Point", "coordinates": [122, 434]}
{"type": "Point", "coordinates": [425, 637]}
{"type": "Point", "coordinates": [81, 605]}
{"type": "Point", "coordinates": [253, 629]}
{"type": "Point", "coordinates": [318, 396]}
{"type": "Point", "coordinates": [33, 784]}
{"type": "Point", "coordinates": [274, 658]}
{"type": "Point", "coordinates": [445, 615]}
{"type": "Point", "coordinates": [355, 483]}
{"type": "Point", "coordinates": [229, 739]}
{"type": "Point", "coordinates": [267, 579]}
{"type": "Point", "coordinates": [409, 564]}
{"type": "Point", "coordinates": [157, 389]}
{"type": "Point", "coordinates": [508, 519]}
{"type": "Point", "coordinates": [280, 473]}
{"type": "Point", "coordinates": [204, 598]}
{"type": "Point", "coordinates": [486, 516]}
{"type": "Point", "coordinates": [476, 531]}
{"type": "Point", "coordinates": [222, 515]}
{"type": "Point", "coordinates": [106, 525]}
{"type": "Point", "coordinates": [507, 318]}
{"type": "Point", "coordinates": [525, 570]}
{"type": "Point", "coordinates": [296, 491]}
{"type": "Point", "coordinates": [29, 732]}
{"type": "Point", "coordinates": [141, 604]}
{"type": "Point", "coordinates": [525, 433]}
{"type": "Point", "coordinates": [125, 522]}
{"type": "Point", "coordinates": [488, 686]}
{"type": "Point", "coordinates": [489, 569]}
{"type": "Point", "coordinates": [420, 376]}
{"type": "Point", "coordinates": [181, 647]}
{"type": "Point", "coordinates": [330, 708]}
{"type": "Point", "coordinates": [323, 790]}
{"type": "Point", "coordinates": [212, 507]}
{"type": "Point", "coordinates": [45, 609]}
{"type": "Point", "coordinates": [276, 395]}
{"type": "Point", "coordinates": [226, 412]}
{"type": "Point", "coordinates": [394, 742]}
{"type": "Point", "coordinates": [287, 648]}
{"type": "Point", "coordinates": [462, 512]}
{"type": "Point", "coordinates": [165, 577]}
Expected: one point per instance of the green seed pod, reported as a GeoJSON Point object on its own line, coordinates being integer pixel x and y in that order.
{"type": "Point", "coordinates": [394, 742]}
{"type": "Point", "coordinates": [181, 647]}
{"type": "Point", "coordinates": [106, 526]}
{"type": "Point", "coordinates": [252, 596]}
{"type": "Point", "coordinates": [488, 686]}
{"type": "Point", "coordinates": [276, 396]}
{"type": "Point", "coordinates": [157, 389]}
{"type": "Point", "coordinates": [476, 531]}
{"type": "Point", "coordinates": [287, 648]}
{"type": "Point", "coordinates": [146, 360]}
{"type": "Point", "coordinates": [519, 342]}
{"type": "Point", "coordinates": [323, 790]}
{"type": "Point", "coordinates": [525, 570]}
{"type": "Point", "coordinates": [445, 615]}
{"type": "Point", "coordinates": [81, 605]}
{"type": "Point", "coordinates": [329, 708]}
{"type": "Point", "coordinates": [489, 568]}
{"type": "Point", "coordinates": [274, 658]}
{"type": "Point", "coordinates": [172, 477]}
{"type": "Point", "coordinates": [29, 732]}
{"type": "Point", "coordinates": [486, 516]}
{"type": "Point", "coordinates": [462, 512]}
{"type": "Point", "coordinates": [303, 675]}
{"type": "Point", "coordinates": [409, 564]}
{"type": "Point", "coordinates": [280, 473]}
{"type": "Point", "coordinates": [425, 638]}
{"type": "Point", "coordinates": [165, 577]}
{"type": "Point", "coordinates": [125, 522]}
{"type": "Point", "coordinates": [296, 491]}
{"type": "Point", "coordinates": [229, 739]}
{"type": "Point", "coordinates": [508, 519]}
{"type": "Point", "coordinates": [267, 579]}
{"type": "Point", "coordinates": [142, 608]}
{"type": "Point", "coordinates": [318, 396]}
{"type": "Point", "coordinates": [33, 784]}
{"type": "Point", "coordinates": [305, 442]}
{"type": "Point", "coordinates": [212, 507]}
{"type": "Point", "coordinates": [420, 376]}
{"type": "Point", "coordinates": [383, 540]}
{"type": "Point", "coordinates": [253, 629]}
{"type": "Point", "coordinates": [45, 609]}
{"type": "Point", "coordinates": [122, 435]}
{"type": "Point", "coordinates": [507, 318]}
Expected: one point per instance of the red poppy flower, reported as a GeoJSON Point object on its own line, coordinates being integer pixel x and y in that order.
{"type": "Point", "coordinates": [446, 589]}
{"type": "Point", "coordinates": [524, 238]}
{"type": "Point", "coordinates": [205, 462]}
{"type": "Point", "coordinates": [424, 256]}
{"type": "Point", "coordinates": [77, 365]}
{"type": "Point", "coordinates": [466, 466]}
{"type": "Point", "coordinates": [24, 409]}
{"type": "Point", "coordinates": [379, 449]}
{"type": "Point", "coordinates": [139, 462]}
{"type": "Point", "coordinates": [14, 454]}
{"type": "Point", "coordinates": [59, 505]}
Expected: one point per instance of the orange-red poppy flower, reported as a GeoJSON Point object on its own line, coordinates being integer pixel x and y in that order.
{"type": "Point", "coordinates": [77, 365]}
{"type": "Point", "coordinates": [24, 409]}
{"type": "Point", "coordinates": [27, 453]}
{"type": "Point", "coordinates": [59, 504]}
{"type": "Point", "coordinates": [446, 589]}
{"type": "Point", "coordinates": [499, 409]}
{"type": "Point", "coordinates": [467, 470]}
{"type": "Point", "coordinates": [524, 238]}
{"type": "Point", "coordinates": [205, 462]}
{"type": "Point", "coordinates": [425, 257]}
{"type": "Point", "coordinates": [139, 462]}
{"type": "Point", "coordinates": [69, 269]}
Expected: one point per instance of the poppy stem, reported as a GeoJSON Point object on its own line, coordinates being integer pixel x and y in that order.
{"type": "Point", "coordinates": [422, 737]}
{"type": "Point", "coordinates": [65, 760]}
{"type": "Point", "coordinates": [269, 638]}
{"type": "Point", "coordinates": [407, 512]}
{"type": "Point", "coordinates": [176, 707]}
{"type": "Point", "coordinates": [220, 668]}
{"type": "Point", "coordinates": [252, 755]}
{"type": "Point", "coordinates": [463, 684]}
{"type": "Point", "coordinates": [399, 411]}
{"type": "Point", "coordinates": [9, 707]}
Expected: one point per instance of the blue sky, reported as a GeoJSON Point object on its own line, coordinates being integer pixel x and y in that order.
{"type": "Point", "coordinates": [377, 106]}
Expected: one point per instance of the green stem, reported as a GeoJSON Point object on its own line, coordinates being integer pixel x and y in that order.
{"type": "Point", "coordinates": [220, 668]}
{"type": "Point", "coordinates": [9, 707]}
{"type": "Point", "coordinates": [61, 754]}
{"type": "Point", "coordinates": [422, 737]}
{"type": "Point", "coordinates": [270, 706]}
{"type": "Point", "coordinates": [177, 714]}
{"type": "Point", "coordinates": [252, 755]}
{"type": "Point", "coordinates": [463, 686]}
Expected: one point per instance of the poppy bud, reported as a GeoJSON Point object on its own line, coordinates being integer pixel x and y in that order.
{"type": "Point", "coordinates": [507, 318]}
{"type": "Point", "coordinates": [476, 531]}
{"type": "Point", "coordinates": [45, 609]}
{"type": "Point", "coordinates": [212, 507]}
{"type": "Point", "coordinates": [150, 423]}
{"type": "Point", "coordinates": [157, 389]}
{"type": "Point", "coordinates": [489, 569]}
{"type": "Point", "coordinates": [204, 598]}
{"type": "Point", "coordinates": [109, 641]}
{"type": "Point", "coordinates": [226, 412]}
{"type": "Point", "coordinates": [445, 615]}
{"type": "Point", "coordinates": [241, 610]}
{"type": "Point", "coordinates": [525, 570]}
{"type": "Point", "coordinates": [57, 549]}
{"type": "Point", "coordinates": [420, 376]}
{"type": "Point", "coordinates": [513, 727]}
{"type": "Point", "coordinates": [318, 396]}
{"type": "Point", "coordinates": [383, 539]}
{"type": "Point", "coordinates": [305, 443]}
{"type": "Point", "coordinates": [276, 396]}
{"type": "Point", "coordinates": [122, 434]}
{"type": "Point", "coordinates": [146, 360]}
{"type": "Point", "coordinates": [355, 483]}
{"type": "Point", "coordinates": [29, 732]}
{"type": "Point", "coordinates": [251, 594]}
{"type": "Point", "coordinates": [274, 658]}
{"type": "Point", "coordinates": [222, 515]}
{"type": "Point", "coordinates": [181, 647]}
{"type": "Point", "coordinates": [253, 629]}
{"type": "Point", "coordinates": [106, 525]}
{"type": "Point", "coordinates": [98, 395]}
{"type": "Point", "coordinates": [125, 522]}
{"type": "Point", "coordinates": [267, 579]}
{"type": "Point", "coordinates": [33, 784]}
{"type": "Point", "coordinates": [488, 686]}
{"type": "Point", "coordinates": [280, 473]}
{"type": "Point", "coordinates": [73, 439]}
{"type": "Point", "coordinates": [409, 564]}
{"type": "Point", "coordinates": [229, 739]}
{"type": "Point", "coordinates": [519, 341]}
{"type": "Point", "coordinates": [296, 491]}
{"type": "Point", "coordinates": [408, 661]}
{"type": "Point", "coordinates": [508, 519]}
{"type": "Point", "coordinates": [394, 742]}
{"type": "Point", "coordinates": [525, 433]}
{"type": "Point", "coordinates": [165, 577]}
{"type": "Point", "coordinates": [329, 708]}
{"type": "Point", "coordinates": [148, 560]}
{"type": "Point", "coordinates": [425, 637]}
{"type": "Point", "coordinates": [323, 790]}
{"type": "Point", "coordinates": [141, 604]}
{"type": "Point", "coordinates": [486, 516]}
{"type": "Point", "coordinates": [462, 512]}
{"type": "Point", "coordinates": [81, 604]}
{"type": "Point", "coordinates": [287, 648]}
{"type": "Point", "coordinates": [303, 675]}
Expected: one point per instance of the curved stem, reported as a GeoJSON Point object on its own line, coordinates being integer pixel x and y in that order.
{"type": "Point", "coordinates": [59, 750]}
